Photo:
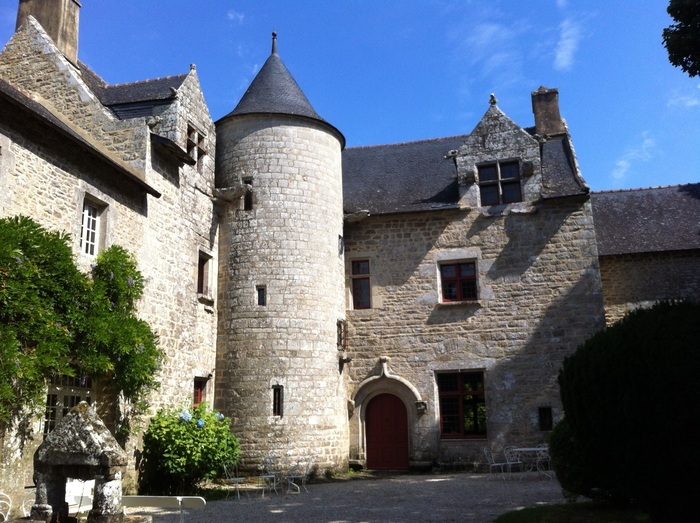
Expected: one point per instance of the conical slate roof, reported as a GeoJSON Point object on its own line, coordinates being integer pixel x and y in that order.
{"type": "Point", "coordinates": [274, 91]}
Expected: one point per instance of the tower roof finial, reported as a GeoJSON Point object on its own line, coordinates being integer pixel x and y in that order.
{"type": "Point", "coordinates": [274, 42]}
{"type": "Point", "coordinates": [492, 99]}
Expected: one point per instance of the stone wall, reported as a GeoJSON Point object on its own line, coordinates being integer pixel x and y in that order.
{"type": "Point", "coordinates": [287, 247]}
{"type": "Point", "coordinates": [539, 297]}
{"type": "Point", "coordinates": [47, 177]}
{"type": "Point", "coordinates": [631, 281]}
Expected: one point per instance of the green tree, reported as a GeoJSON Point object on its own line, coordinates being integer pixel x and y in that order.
{"type": "Point", "coordinates": [56, 320]}
{"type": "Point", "coordinates": [631, 399]}
{"type": "Point", "coordinates": [682, 39]}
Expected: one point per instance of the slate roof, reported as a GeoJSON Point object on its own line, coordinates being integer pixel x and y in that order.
{"type": "Point", "coordinates": [404, 177]}
{"type": "Point", "coordinates": [275, 91]}
{"type": "Point", "coordinates": [647, 220]}
{"type": "Point", "coordinates": [559, 174]}
{"type": "Point", "coordinates": [135, 99]}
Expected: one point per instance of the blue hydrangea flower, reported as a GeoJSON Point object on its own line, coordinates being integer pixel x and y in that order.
{"type": "Point", "coordinates": [185, 415]}
{"type": "Point", "coordinates": [200, 422]}
{"type": "Point", "coordinates": [220, 416]}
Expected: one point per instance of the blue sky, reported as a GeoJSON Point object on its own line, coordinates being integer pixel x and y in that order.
{"type": "Point", "coordinates": [388, 71]}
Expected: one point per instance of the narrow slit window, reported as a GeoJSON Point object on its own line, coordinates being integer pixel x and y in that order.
{"type": "Point", "coordinates": [200, 389]}
{"type": "Point", "coordinates": [546, 419]}
{"type": "Point", "coordinates": [203, 276]}
{"type": "Point", "coordinates": [277, 400]}
{"type": "Point", "coordinates": [262, 295]}
{"type": "Point", "coordinates": [248, 195]}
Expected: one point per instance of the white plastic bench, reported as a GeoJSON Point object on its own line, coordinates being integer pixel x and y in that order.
{"type": "Point", "coordinates": [181, 502]}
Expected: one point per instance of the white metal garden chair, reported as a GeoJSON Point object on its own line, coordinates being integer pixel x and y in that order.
{"type": "Point", "coordinates": [5, 506]}
{"type": "Point", "coordinates": [495, 466]}
{"type": "Point", "coordinates": [233, 478]}
{"type": "Point", "coordinates": [298, 475]}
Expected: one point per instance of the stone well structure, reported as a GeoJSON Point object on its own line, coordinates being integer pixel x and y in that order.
{"type": "Point", "coordinates": [80, 447]}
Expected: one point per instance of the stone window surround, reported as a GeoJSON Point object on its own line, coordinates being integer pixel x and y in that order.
{"type": "Point", "coordinates": [99, 201]}
{"type": "Point", "coordinates": [499, 181]}
{"type": "Point", "coordinates": [205, 276]}
{"type": "Point", "coordinates": [351, 277]}
{"type": "Point", "coordinates": [460, 372]}
{"type": "Point", "coordinates": [469, 254]}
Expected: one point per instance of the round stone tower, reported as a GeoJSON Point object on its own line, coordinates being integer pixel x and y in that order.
{"type": "Point", "coordinates": [281, 276]}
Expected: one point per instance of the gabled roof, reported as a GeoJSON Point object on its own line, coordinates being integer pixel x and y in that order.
{"type": "Point", "coordinates": [133, 99]}
{"type": "Point", "coordinates": [647, 220]}
{"type": "Point", "coordinates": [404, 177]}
{"type": "Point", "coordinates": [275, 91]}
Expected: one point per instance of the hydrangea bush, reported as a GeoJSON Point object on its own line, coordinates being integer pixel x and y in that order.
{"type": "Point", "coordinates": [183, 447]}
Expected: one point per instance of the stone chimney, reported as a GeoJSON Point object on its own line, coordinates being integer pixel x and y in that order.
{"type": "Point", "coordinates": [59, 18]}
{"type": "Point", "coordinates": [545, 105]}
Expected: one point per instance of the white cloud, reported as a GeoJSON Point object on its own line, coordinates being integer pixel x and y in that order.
{"type": "Point", "coordinates": [569, 38]}
{"type": "Point", "coordinates": [638, 154]}
{"type": "Point", "coordinates": [685, 100]}
{"type": "Point", "coordinates": [235, 16]}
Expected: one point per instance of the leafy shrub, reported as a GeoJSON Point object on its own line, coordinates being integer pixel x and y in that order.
{"type": "Point", "coordinates": [181, 448]}
{"type": "Point", "coordinates": [56, 320]}
{"type": "Point", "coordinates": [631, 398]}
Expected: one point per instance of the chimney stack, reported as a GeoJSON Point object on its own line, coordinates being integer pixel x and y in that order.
{"type": "Point", "coordinates": [545, 105]}
{"type": "Point", "coordinates": [59, 18]}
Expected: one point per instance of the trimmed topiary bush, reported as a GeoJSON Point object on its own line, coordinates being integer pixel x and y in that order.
{"type": "Point", "coordinates": [183, 447]}
{"type": "Point", "coordinates": [631, 397]}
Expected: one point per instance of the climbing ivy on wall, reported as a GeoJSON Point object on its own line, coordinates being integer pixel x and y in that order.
{"type": "Point", "coordinates": [56, 320]}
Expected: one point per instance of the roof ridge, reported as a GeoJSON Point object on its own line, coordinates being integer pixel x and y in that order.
{"type": "Point", "coordinates": [410, 142]}
{"type": "Point", "coordinates": [159, 79]}
{"type": "Point", "coordinates": [638, 189]}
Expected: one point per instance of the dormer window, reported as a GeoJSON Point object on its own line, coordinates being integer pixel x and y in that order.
{"type": "Point", "coordinates": [499, 183]}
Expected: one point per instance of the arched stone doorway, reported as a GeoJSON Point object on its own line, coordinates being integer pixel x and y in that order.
{"type": "Point", "coordinates": [386, 432]}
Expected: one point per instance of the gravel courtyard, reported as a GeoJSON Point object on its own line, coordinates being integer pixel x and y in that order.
{"type": "Point", "coordinates": [460, 497]}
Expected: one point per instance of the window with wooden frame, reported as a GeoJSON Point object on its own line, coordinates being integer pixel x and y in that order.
{"type": "Point", "coordinates": [90, 228]}
{"type": "Point", "coordinates": [499, 183]}
{"type": "Point", "coordinates": [360, 282]}
{"type": "Point", "coordinates": [277, 400]}
{"type": "Point", "coordinates": [458, 281]}
{"type": "Point", "coordinates": [200, 391]}
{"type": "Point", "coordinates": [64, 393]}
{"type": "Point", "coordinates": [462, 404]}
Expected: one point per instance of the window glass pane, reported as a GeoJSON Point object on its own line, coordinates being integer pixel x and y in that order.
{"type": "Point", "coordinates": [449, 415]}
{"type": "Point", "coordinates": [511, 192]}
{"type": "Point", "coordinates": [487, 173]}
{"type": "Point", "coordinates": [448, 271]}
{"type": "Point", "coordinates": [360, 267]}
{"type": "Point", "coordinates": [467, 269]}
{"type": "Point", "coordinates": [448, 382]}
{"type": "Point", "coordinates": [509, 170]}
{"type": "Point", "coordinates": [489, 195]}
{"type": "Point", "coordinates": [361, 293]}
{"type": "Point", "coordinates": [449, 290]}
{"type": "Point", "coordinates": [468, 290]}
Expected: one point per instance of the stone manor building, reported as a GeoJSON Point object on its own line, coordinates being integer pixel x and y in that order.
{"type": "Point", "coordinates": [392, 306]}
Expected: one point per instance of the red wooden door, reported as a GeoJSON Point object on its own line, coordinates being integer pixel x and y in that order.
{"type": "Point", "coordinates": [386, 431]}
